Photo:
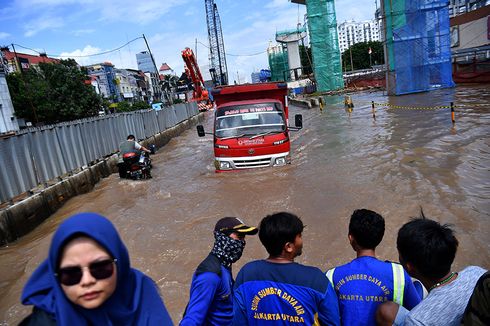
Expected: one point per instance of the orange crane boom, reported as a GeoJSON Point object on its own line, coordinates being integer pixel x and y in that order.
{"type": "Point", "coordinates": [192, 70]}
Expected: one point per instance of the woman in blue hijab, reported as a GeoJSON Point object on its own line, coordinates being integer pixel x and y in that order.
{"type": "Point", "coordinates": [87, 280]}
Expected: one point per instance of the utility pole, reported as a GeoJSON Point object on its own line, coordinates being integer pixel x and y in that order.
{"type": "Point", "coordinates": [167, 97]}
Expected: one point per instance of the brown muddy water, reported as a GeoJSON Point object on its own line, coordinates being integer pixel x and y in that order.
{"type": "Point", "coordinates": [402, 161]}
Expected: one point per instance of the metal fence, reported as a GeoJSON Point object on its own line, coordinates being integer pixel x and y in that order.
{"type": "Point", "coordinates": [35, 156]}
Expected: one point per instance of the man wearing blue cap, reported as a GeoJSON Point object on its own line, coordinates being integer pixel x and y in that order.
{"type": "Point", "coordinates": [211, 294]}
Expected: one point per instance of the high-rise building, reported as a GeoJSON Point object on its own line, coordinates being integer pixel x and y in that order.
{"type": "Point", "coordinates": [145, 62]}
{"type": "Point", "coordinates": [352, 32]}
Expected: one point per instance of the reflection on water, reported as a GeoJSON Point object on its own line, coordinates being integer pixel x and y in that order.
{"type": "Point", "coordinates": [402, 161]}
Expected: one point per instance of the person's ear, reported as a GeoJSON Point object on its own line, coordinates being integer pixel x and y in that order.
{"type": "Point", "coordinates": [412, 270]}
{"type": "Point", "coordinates": [289, 247]}
{"type": "Point", "coordinates": [351, 239]}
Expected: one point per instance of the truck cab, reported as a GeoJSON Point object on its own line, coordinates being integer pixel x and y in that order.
{"type": "Point", "coordinates": [251, 126]}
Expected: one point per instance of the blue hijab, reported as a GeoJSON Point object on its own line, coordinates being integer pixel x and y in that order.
{"type": "Point", "coordinates": [135, 301]}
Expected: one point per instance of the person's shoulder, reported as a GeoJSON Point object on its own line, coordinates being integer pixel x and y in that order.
{"type": "Point", "coordinates": [473, 270]}
{"type": "Point", "coordinates": [311, 270]}
{"type": "Point", "coordinates": [210, 264]}
{"type": "Point", "coordinates": [38, 317]}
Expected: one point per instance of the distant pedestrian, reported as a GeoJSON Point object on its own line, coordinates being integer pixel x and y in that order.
{"type": "Point", "coordinates": [87, 280]}
{"type": "Point", "coordinates": [427, 250]}
{"type": "Point", "coordinates": [366, 282]}
{"type": "Point", "coordinates": [211, 293]}
{"type": "Point", "coordinates": [278, 291]}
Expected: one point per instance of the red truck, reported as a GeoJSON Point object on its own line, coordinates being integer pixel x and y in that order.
{"type": "Point", "coordinates": [251, 126]}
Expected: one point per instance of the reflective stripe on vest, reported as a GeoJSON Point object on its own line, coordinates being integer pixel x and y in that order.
{"type": "Point", "coordinates": [398, 283]}
{"type": "Point", "coordinates": [329, 274]}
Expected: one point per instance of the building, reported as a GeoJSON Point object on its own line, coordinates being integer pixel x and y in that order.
{"type": "Point", "coordinates": [145, 62]}
{"type": "Point", "coordinates": [154, 88]}
{"type": "Point", "coordinates": [470, 40]}
{"type": "Point", "coordinates": [166, 70]}
{"type": "Point", "coordinates": [8, 122]}
{"type": "Point", "coordinates": [106, 79]}
{"type": "Point", "coordinates": [14, 61]}
{"type": "Point", "coordinates": [352, 32]}
{"type": "Point", "coordinates": [125, 83]}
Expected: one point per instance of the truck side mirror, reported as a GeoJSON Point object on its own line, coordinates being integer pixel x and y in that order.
{"type": "Point", "coordinates": [200, 130]}
{"type": "Point", "coordinates": [298, 121]}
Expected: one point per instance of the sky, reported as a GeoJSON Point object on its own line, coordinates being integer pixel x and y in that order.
{"type": "Point", "coordinates": [83, 29]}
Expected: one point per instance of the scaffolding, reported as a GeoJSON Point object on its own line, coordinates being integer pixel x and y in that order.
{"type": "Point", "coordinates": [278, 63]}
{"type": "Point", "coordinates": [417, 47]}
{"type": "Point", "coordinates": [324, 41]}
{"type": "Point", "coordinates": [217, 55]}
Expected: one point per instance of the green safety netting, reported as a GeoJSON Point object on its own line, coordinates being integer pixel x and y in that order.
{"type": "Point", "coordinates": [324, 42]}
{"type": "Point", "coordinates": [418, 45]}
{"type": "Point", "coordinates": [291, 31]}
{"type": "Point", "coordinates": [278, 64]}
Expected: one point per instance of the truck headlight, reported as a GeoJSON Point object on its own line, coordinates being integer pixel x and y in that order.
{"type": "Point", "coordinates": [280, 161]}
{"type": "Point", "coordinates": [223, 165]}
{"type": "Point", "coordinates": [221, 146]}
{"type": "Point", "coordinates": [282, 141]}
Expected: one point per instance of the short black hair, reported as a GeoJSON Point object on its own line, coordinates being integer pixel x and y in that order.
{"type": "Point", "coordinates": [131, 137]}
{"type": "Point", "coordinates": [277, 229]}
{"type": "Point", "coordinates": [367, 228]}
{"type": "Point", "coordinates": [429, 246]}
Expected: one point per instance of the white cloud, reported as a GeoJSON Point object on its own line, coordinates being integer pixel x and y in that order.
{"type": "Point", "coordinates": [42, 23]}
{"type": "Point", "coordinates": [4, 35]}
{"type": "Point", "coordinates": [83, 57]}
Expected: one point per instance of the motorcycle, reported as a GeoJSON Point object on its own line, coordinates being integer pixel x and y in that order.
{"type": "Point", "coordinates": [136, 166]}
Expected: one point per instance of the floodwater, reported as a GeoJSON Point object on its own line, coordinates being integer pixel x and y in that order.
{"type": "Point", "coordinates": [401, 162]}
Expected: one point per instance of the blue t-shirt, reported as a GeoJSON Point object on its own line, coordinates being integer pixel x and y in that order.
{"type": "Point", "coordinates": [267, 293]}
{"type": "Point", "coordinates": [366, 282]}
{"type": "Point", "coordinates": [211, 300]}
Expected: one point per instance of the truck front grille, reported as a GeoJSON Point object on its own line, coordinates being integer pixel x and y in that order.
{"type": "Point", "coordinates": [255, 163]}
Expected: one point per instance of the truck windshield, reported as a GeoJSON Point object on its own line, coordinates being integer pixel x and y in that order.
{"type": "Point", "coordinates": [249, 120]}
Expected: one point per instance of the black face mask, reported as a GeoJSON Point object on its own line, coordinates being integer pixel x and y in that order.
{"type": "Point", "coordinates": [227, 249]}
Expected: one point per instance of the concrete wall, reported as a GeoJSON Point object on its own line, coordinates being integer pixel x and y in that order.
{"type": "Point", "coordinates": [22, 217]}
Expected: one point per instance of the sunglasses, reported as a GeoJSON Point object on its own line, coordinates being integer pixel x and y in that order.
{"type": "Point", "coordinates": [72, 275]}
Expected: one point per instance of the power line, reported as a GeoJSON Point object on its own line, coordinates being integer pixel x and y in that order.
{"type": "Point", "coordinates": [83, 56]}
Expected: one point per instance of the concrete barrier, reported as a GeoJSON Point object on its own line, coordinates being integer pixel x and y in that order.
{"type": "Point", "coordinates": [300, 103]}
{"type": "Point", "coordinates": [21, 218]}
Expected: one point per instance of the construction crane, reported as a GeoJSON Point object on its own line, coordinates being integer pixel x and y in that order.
{"type": "Point", "coordinates": [217, 55]}
{"type": "Point", "coordinates": [199, 94]}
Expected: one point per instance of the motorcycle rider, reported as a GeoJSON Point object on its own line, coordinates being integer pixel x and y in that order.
{"type": "Point", "coordinates": [130, 145]}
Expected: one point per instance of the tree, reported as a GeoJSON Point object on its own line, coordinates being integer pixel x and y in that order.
{"type": "Point", "coordinates": [306, 59]}
{"type": "Point", "coordinates": [53, 93]}
{"type": "Point", "coordinates": [124, 106]}
{"type": "Point", "coordinates": [141, 105]}
{"type": "Point", "coordinates": [360, 55]}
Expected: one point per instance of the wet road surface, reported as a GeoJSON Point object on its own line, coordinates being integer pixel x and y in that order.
{"type": "Point", "coordinates": [341, 161]}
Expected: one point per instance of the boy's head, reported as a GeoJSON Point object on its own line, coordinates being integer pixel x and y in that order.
{"type": "Point", "coordinates": [366, 228]}
{"type": "Point", "coordinates": [278, 229]}
{"type": "Point", "coordinates": [130, 137]}
{"type": "Point", "coordinates": [426, 248]}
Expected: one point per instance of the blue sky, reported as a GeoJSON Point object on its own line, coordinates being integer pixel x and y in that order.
{"type": "Point", "coordinates": [74, 28]}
